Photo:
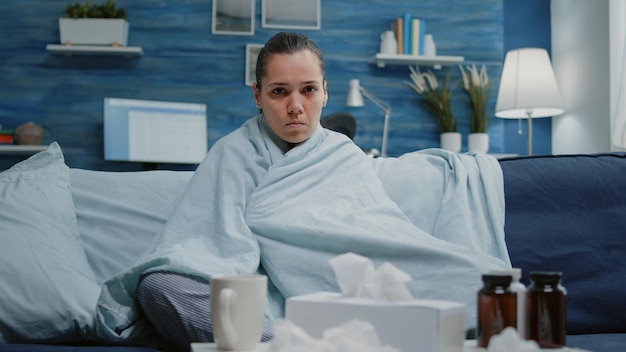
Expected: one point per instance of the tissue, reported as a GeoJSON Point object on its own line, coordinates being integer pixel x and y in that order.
{"type": "Point", "coordinates": [509, 341]}
{"type": "Point", "coordinates": [356, 277]}
{"type": "Point", "coordinates": [352, 336]}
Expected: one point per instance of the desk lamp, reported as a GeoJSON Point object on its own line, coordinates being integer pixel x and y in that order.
{"type": "Point", "coordinates": [355, 99]}
{"type": "Point", "coordinates": [528, 88]}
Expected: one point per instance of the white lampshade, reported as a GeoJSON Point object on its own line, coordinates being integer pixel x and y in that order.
{"type": "Point", "coordinates": [528, 86]}
{"type": "Point", "coordinates": [354, 98]}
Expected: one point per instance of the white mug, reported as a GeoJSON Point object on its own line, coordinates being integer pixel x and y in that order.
{"type": "Point", "coordinates": [238, 310]}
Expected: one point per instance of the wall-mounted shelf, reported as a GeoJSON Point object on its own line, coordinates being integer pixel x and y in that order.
{"type": "Point", "coordinates": [381, 60]}
{"type": "Point", "coordinates": [60, 49]}
{"type": "Point", "coordinates": [14, 149]}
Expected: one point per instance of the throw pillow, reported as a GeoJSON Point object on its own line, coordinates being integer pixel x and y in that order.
{"type": "Point", "coordinates": [124, 211]}
{"type": "Point", "coordinates": [48, 292]}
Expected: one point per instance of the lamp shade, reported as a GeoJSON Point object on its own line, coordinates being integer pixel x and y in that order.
{"type": "Point", "coordinates": [354, 97]}
{"type": "Point", "coordinates": [528, 86]}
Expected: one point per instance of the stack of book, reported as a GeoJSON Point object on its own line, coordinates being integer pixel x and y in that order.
{"type": "Point", "coordinates": [409, 32]}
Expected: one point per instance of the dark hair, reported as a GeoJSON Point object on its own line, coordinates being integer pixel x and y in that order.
{"type": "Point", "coordinates": [285, 43]}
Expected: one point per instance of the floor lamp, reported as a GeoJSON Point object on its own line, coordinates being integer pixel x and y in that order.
{"type": "Point", "coordinates": [528, 88]}
{"type": "Point", "coordinates": [355, 99]}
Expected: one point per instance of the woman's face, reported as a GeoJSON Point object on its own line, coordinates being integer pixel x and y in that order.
{"type": "Point", "coordinates": [292, 95]}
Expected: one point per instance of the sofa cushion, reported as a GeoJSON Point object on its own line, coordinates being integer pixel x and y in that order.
{"type": "Point", "coordinates": [48, 292]}
{"type": "Point", "coordinates": [568, 213]}
{"type": "Point", "coordinates": [598, 342]}
{"type": "Point", "coordinates": [124, 211]}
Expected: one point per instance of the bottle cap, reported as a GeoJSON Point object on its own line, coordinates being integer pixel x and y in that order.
{"type": "Point", "coordinates": [546, 274]}
{"type": "Point", "coordinates": [493, 279]}
{"type": "Point", "coordinates": [516, 273]}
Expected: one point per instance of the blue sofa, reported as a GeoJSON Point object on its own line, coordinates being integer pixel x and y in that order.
{"type": "Point", "coordinates": [568, 213]}
{"type": "Point", "coordinates": [563, 213]}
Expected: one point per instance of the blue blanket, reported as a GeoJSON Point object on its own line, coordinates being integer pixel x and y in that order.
{"type": "Point", "coordinates": [250, 208]}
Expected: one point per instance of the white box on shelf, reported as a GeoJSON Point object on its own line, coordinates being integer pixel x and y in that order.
{"type": "Point", "coordinates": [93, 31]}
{"type": "Point", "coordinates": [424, 325]}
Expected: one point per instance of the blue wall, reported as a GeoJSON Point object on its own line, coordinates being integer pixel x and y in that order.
{"type": "Point", "coordinates": [183, 61]}
{"type": "Point", "coordinates": [527, 24]}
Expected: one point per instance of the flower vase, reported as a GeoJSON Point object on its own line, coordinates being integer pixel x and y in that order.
{"type": "Point", "coordinates": [450, 141]}
{"type": "Point", "coordinates": [478, 142]}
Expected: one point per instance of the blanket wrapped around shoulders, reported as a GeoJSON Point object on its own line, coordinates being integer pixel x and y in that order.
{"type": "Point", "coordinates": [250, 207]}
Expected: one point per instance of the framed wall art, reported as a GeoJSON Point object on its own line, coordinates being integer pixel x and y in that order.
{"type": "Point", "coordinates": [292, 14]}
{"type": "Point", "coordinates": [252, 51]}
{"type": "Point", "coordinates": [233, 17]}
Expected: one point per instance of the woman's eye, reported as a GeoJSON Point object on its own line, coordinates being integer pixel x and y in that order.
{"type": "Point", "coordinates": [278, 91]}
{"type": "Point", "coordinates": [310, 89]}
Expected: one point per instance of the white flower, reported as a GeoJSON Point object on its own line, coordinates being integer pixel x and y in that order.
{"type": "Point", "coordinates": [465, 79]}
{"type": "Point", "coordinates": [436, 98]}
{"type": "Point", "coordinates": [473, 77]}
{"type": "Point", "coordinates": [484, 79]}
{"type": "Point", "coordinates": [422, 82]}
{"type": "Point", "coordinates": [476, 84]}
{"type": "Point", "coordinates": [432, 80]}
{"type": "Point", "coordinates": [419, 84]}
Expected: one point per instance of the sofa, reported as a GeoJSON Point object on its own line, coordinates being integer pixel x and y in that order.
{"type": "Point", "coordinates": [567, 213]}
{"type": "Point", "coordinates": [563, 213]}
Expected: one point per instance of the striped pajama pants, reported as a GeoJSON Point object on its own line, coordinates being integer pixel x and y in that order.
{"type": "Point", "coordinates": [179, 307]}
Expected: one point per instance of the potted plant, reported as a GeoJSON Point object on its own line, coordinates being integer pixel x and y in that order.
{"type": "Point", "coordinates": [94, 24]}
{"type": "Point", "coordinates": [476, 85]}
{"type": "Point", "coordinates": [438, 100]}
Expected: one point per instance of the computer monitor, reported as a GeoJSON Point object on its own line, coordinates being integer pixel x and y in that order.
{"type": "Point", "coordinates": [151, 131]}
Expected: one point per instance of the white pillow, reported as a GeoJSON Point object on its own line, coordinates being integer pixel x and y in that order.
{"type": "Point", "coordinates": [48, 292]}
{"type": "Point", "coordinates": [120, 213]}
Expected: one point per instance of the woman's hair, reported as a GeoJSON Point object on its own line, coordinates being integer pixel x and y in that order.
{"type": "Point", "coordinates": [285, 43]}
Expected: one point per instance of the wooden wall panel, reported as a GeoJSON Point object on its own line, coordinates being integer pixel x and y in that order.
{"type": "Point", "coordinates": [183, 61]}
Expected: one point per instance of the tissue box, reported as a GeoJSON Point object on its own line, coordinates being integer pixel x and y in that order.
{"type": "Point", "coordinates": [415, 325]}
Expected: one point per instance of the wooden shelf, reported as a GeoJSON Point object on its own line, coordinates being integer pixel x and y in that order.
{"type": "Point", "coordinates": [60, 49]}
{"type": "Point", "coordinates": [381, 60]}
{"type": "Point", "coordinates": [13, 149]}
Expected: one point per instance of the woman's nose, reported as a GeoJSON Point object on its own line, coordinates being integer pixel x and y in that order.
{"type": "Point", "coordinates": [295, 106]}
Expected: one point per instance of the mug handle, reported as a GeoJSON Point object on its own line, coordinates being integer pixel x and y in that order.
{"type": "Point", "coordinates": [227, 296]}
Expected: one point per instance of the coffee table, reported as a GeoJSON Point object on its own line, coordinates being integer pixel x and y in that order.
{"type": "Point", "coordinates": [468, 346]}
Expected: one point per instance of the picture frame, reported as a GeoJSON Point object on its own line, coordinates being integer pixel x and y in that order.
{"type": "Point", "coordinates": [252, 52]}
{"type": "Point", "coordinates": [233, 17]}
{"type": "Point", "coordinates": [292, 14]}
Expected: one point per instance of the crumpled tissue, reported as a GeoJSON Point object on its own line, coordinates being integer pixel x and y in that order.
{"type": "Point", "coordinates": [509, 340]}
{"type": "Point", "coordinates": [351, 336]}
{"type": "Point", "coordinates": [356, 277]}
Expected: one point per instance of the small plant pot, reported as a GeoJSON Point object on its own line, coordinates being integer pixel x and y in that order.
{"type": "Point", "coordinates": [93, 31]}
{"type": "Point", "coordinates": [478, 142]}
{"type": "Point", "coordinates": [450, 141]}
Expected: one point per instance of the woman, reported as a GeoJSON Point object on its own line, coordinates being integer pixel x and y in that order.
{"type": "Point", "coordinates": [290, 90]}
{"type": "Point", "coordinates": [281, 196]}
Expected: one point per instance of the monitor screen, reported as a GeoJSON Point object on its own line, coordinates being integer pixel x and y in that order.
{"type": "Point", "coordinates": [152, 131]}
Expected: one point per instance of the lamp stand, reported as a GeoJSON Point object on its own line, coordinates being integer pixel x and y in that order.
{"type": "Point", "coordinates": [530, 132]}
{"type": "Point", "coordinates": [387, 109]}
{"type": "Point", "coordinates": [383, 149]}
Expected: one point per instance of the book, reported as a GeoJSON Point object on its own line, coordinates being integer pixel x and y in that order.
{"type": "Point", "coordinates": [406, 33]}
{"type": "Point", "coordinates": [418, 29]}
{"type": "Point", "coordinates": [422, 34]}
{"type": "Point", "coordinates": [398, 28]}
{"type": "Point", "coordinates": [415, 36]}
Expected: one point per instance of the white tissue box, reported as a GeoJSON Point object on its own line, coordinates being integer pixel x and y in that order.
{"type": "Point", "coordinates": [415, 325]}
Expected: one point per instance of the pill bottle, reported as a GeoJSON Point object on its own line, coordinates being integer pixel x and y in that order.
{"type": "Point", "coordinates": [520, 289]}
{"type": "Point", "coordinates": [497, 307]}
{"type": "Point", "coordinates": [545, 308]}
